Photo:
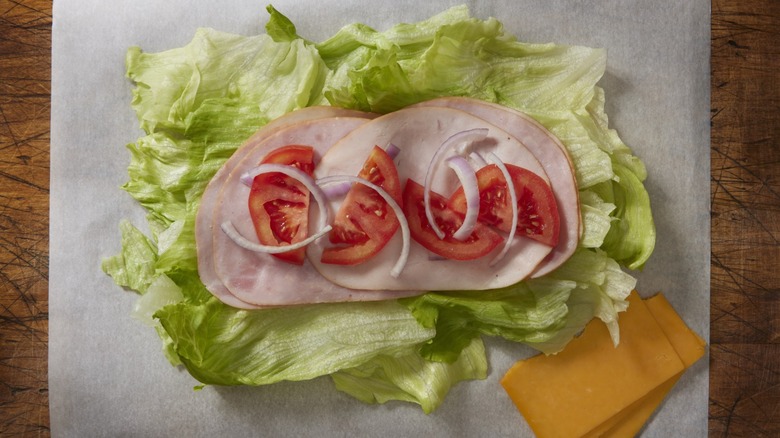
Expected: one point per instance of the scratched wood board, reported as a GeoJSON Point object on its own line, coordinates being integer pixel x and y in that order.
{"type": "Point", "coordinates": [745, 190]}
{"type": "Point", "coordinates": [25, 59]}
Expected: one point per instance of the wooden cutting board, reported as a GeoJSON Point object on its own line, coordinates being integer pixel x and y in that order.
{"type": "Point", "coordinates": [745, 303]}
{"type": "Point", "coordinates": [745, 260]}
{"type": "Point", "coordinates": [25, 70]}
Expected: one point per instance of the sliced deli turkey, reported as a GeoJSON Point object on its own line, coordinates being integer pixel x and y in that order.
{"type": "Point", "coordinates": [416, 200]}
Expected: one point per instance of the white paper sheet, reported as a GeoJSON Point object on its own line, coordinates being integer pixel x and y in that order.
{"type": "Point", "coordinates": [107, 375]}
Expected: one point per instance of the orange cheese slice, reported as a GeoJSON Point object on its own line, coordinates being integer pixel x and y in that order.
{"type": "Point", "coordinates": [688, 345]}
{"type": "Point", "coordinates": [592, 388]}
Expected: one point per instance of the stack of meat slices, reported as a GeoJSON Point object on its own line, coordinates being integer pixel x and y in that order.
{"type": "Point", "coordinates": [421, 140]}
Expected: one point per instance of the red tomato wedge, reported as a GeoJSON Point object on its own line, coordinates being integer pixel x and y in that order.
{"type": "Point", "coordinates": [481, 241]}
{"type": "Point", "coordinates": [279, 205]}
{"type": "Point", "coordinates": [536, 207]}
{"type": "Point", "coordinates": [365, 223]}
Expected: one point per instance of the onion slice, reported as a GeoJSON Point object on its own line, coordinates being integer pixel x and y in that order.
{"type": "Point", "coordinates": [299, 175]}
{"type": "Point", "coordinates": [493, 158]}
{"type": "Point", "coordinates": [392, 150]}
{"type": "Point", "coordinates": [478, 160]}
{"type": "Point", "coordinates": [295, 173]}
{"type": "Point", "coordinates": [243, 242]}
{"type": "Point", "coordinates": [468, 179]}
{"type": "Point", "coordinates": [337, 190]}
{"type": "Point", "coordinates": [463, 137]}
{"type": "Point", "coordinates": [405, 233]}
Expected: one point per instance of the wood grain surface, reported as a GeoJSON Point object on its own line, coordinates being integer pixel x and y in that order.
{"type": "Point", "coordinates": [25, 66]}
{"type": "Point", "coordinates": [745, 303]}
{"type": "Point", "coordinates": [745, 282]}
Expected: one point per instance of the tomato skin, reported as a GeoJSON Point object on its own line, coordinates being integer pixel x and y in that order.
{"type": "Point", "coordinates": [365, 222]}
{"type": "Point", "coordinates": [279, 205]}
{"type": "Point", "coordinates": [538, 217]}
{"type": "Point", "coordinates": [480, 243]}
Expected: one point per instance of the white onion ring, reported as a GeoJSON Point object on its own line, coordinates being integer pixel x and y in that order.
{"type": "Point", "coordinates": [468, 180]}
{"type": "Point", "coordinates": [468, 136]}
{"type": "Point", "coordinates": [478, 160]}
{"type": "Point", "coordinates": [405, 234]}
{"type": "Point", "coordinates": [493, 158]}
{"type": "Point", "coordinates": [299, 175]}
{"type": "Point", "coordinates": [243, 242]}
{"type": "Point", "coordinates": [337, 190]}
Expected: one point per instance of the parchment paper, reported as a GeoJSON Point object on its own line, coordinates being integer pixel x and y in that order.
{"type": "Point", "coordinates": [107, 375]}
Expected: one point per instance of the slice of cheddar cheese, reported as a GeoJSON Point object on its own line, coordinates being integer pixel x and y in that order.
{"type": "Point", "coordinates": [592, 388]}
{"type": "Point", "coordinates": [688, 345]}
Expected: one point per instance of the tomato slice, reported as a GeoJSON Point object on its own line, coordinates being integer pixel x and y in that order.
{"type": "Point", "coordinates": [279, 205]}
{"type": "Point", "coordinates": [481, 241]}
{"type": "Point", "coordinates": [536, 207]}
{"type": "Point", "coordinates": [365, 222]}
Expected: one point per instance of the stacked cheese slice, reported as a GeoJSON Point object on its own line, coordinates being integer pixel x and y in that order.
{"type": "Point", "coordinates": [594, 389]}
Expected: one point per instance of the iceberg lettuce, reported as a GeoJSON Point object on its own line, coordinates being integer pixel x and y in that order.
{"type": "Point", "coordinates": [198, 103]}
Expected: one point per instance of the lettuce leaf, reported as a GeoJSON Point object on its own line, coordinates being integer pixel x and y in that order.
{"type": "Point", "coordinates": [411, 378]}
{"type": "Point", "coordinates": [134, 267]}
{"type": "Point", "coordinates": [529, 312]}
{"type": "Point", "coordinates": [198, 103]}
{"type": "Point", "coordinates": [452, 54]}
{"type": "Point", "coordinates": [224, 346]}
